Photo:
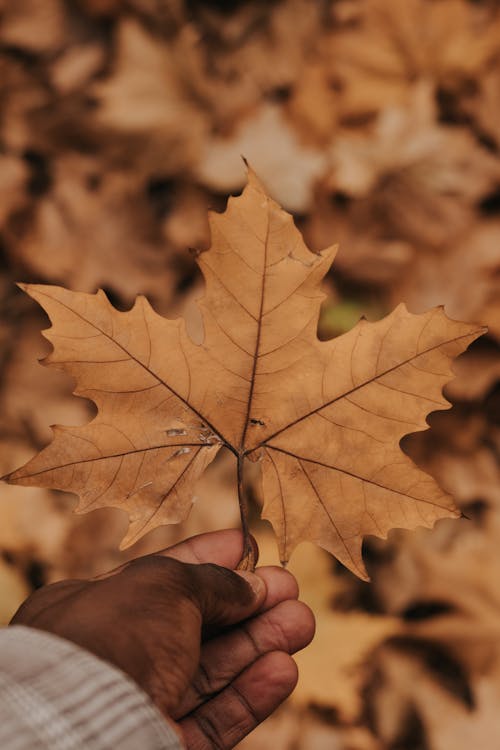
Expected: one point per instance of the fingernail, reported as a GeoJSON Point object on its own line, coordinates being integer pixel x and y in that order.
{"type": "Point", "coordinates": [255, 582]}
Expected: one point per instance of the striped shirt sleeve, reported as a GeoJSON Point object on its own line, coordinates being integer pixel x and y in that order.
{"type": "Point", "coordinates": [55, 695]}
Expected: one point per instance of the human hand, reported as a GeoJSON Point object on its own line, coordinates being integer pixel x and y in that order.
{"type": "Point", "coordinates": [210, 648]}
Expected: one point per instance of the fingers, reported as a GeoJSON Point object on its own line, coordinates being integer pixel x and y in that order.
{"type": "Point", "coordinates": [288, 627]}
{"type": "Point", "coordinates": [219, 547]}
{"type": "Point", "coordinates": [280, 585]}
{"type": "Point", "coordinates": [217, 596]}
{"type": "Point", "coordinates": [223, 596]}
{"type": "Point", "coordinates": [223, 548]}
{"type": "Point", "coordinates": [228, 717]}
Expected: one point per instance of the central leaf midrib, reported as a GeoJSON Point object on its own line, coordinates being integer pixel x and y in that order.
{"type": "Point", "coordinates": [257, 341]}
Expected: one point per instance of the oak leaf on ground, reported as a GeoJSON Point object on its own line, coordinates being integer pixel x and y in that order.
{"type": "Point", "coordinates": [323, 418]}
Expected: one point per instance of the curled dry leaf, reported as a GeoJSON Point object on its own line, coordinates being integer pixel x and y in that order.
{"type": "Point", "coordinates": [323, 418]}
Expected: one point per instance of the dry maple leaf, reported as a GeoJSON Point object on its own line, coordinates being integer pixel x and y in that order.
{"type": "Point", "coordinates": [323, 418]}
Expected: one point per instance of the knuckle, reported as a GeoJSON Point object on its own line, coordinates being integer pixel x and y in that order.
{"type": "Point", "coordinates": [279, 636]}
{"type": "Point", "coordinates": [208, 727]}
{"type": "Point", "coordinates": [255, 646]}
{"type": "Point", "coordinates": [224, 729]}
{"type": "Point", "coordinates": [269, 635]}
{"type": "Point", "coordinates": [249, 718]}
{"type": "Point", "coordinates": [204, 683]}
{"type": "Point", "coordinates": [207, 683]}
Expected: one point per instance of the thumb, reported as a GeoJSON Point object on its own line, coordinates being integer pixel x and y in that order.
{"type": "Point", "coordinates": [224, 596]}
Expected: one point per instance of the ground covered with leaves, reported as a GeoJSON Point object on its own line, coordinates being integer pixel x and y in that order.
{"type": "Point", "coordinates": [377, 125]}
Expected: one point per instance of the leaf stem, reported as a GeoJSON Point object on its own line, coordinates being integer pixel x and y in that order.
{"type": "Point", "coordinates": [248, 560]}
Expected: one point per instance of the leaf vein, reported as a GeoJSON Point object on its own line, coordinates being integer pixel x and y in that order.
{"type": "Point", "coordinates": [141, 364]}
{"type": "Point", "coordinates": [356, 476]}
{"type": "Point", "coordinates": [362, 385]}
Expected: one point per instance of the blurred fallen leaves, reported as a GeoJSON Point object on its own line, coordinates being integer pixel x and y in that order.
{"type": "Point", "coordinates": [387, 46]}
{"type": "Point", "coordinates": [274, 150]}
{"type": "Point", "coordinates": [91, 230]}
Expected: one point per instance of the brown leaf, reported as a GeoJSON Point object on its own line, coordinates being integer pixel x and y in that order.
{"type": "Point", "coordinates": [323, 418]}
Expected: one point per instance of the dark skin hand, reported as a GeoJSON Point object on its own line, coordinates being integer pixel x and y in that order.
{"type": "Point", "coordinates": [211, 647]}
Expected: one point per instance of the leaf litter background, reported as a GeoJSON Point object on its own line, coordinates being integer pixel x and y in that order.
{"type": "Point", "coordinates": [377, 124]}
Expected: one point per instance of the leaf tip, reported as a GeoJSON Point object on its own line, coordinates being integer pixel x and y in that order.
{"type": "Point", "coordinates": [253, 181]}
{"type": "Point", "coordinates": [330, 252]}
{"type": "Point", "coordinates": [359, 568]}
{"type": "Point", "coordinates": [140, 302]}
